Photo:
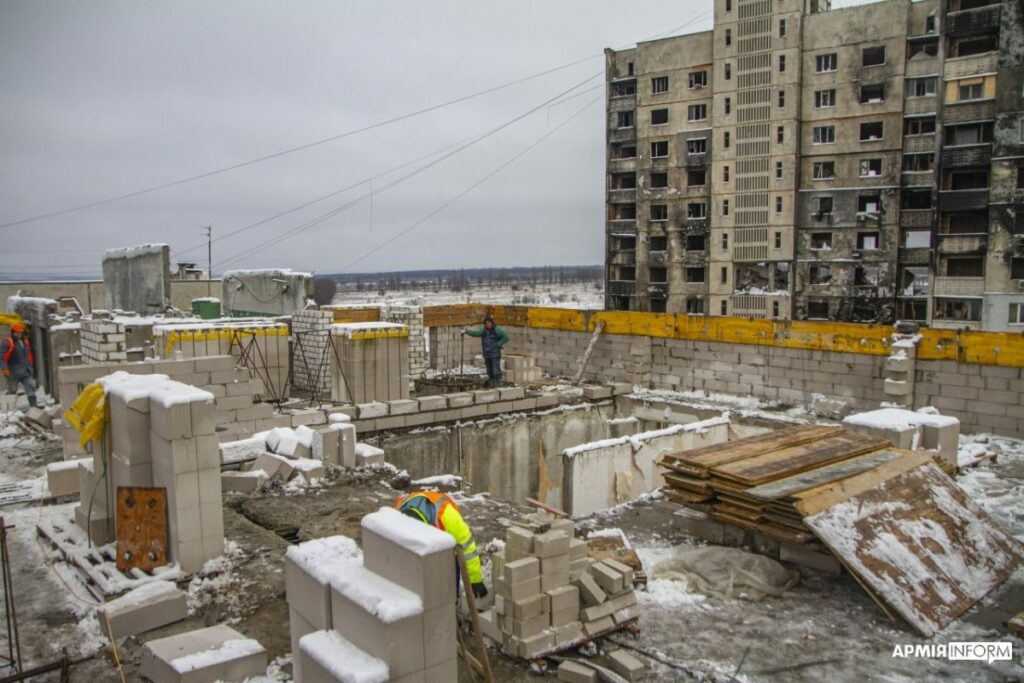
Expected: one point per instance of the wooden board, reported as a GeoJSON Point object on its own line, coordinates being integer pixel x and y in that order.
{"type": "Point", "coordinates": [914, 540]}
{"type": "Point", "coordinates": [796, 459]}
{"type": "Point", "coordinates": [686, 497]}
{"type": "Point", "coordinates": [783, 488]}
{"type": "Point", "coordinates": [687, 483]}
{"type": "Point", "coordinates": [141, 528]}
{"type": "Point", "coordinates": [720, 454]}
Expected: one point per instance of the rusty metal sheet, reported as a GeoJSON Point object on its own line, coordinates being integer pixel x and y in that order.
{"type": "Point", "coordinates": [141, 528]}
{"type": "Point", "coordinates": [914, 539]}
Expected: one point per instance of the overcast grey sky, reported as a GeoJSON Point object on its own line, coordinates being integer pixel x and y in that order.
{"type": "Point", "coordinates": [106, 98]}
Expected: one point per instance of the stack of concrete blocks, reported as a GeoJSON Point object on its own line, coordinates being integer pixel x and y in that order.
{"type": "Point", "coordinates": [911, 430]}
{"type": "Point", "coordinates": [899, 371]}
{"type": "Point", "coordinates": [620, 661]}
{"type": "Point", "coordinates": [161, 435]}
{"type": "Point", "coordinates": [264, 343]}
{"type": "Point", "coordinates": [236, 414]}
{"type": "Point", "coordinates": [412, 318]}
{"type": "Point", "coordinates": [369, 362]}
{"type": "Point", "coordinates": [207, 655]}
{"type": "Point", "coordinates": [446, 343]}
{"type": "Point", "coordinates": [338, 441]}
{"type": "Point", "coordinates": [616, 358]}
{"type": "Point", "coordinates": [521, 368]}
{"type": "Point", "coordinates": [103, 341]}
{"type": "Point", "coordinates": [394, 609]}
{"type": "Point", "coordinates": [311, 363]}
{"type": "Point", "coordinates": [536, 578]}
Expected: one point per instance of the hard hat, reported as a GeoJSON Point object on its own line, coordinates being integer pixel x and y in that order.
{"type": "Point", "coordinates": [17, 327]}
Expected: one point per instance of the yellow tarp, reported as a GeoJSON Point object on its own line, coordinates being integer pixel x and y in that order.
{"type": "Point", "coordinates": [88, 414]}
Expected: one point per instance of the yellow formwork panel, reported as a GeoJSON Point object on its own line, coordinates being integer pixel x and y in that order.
{"type": "Point", "coordinates": [176, 337]}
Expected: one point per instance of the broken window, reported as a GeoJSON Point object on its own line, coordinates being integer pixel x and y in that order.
{"type": "Point", "coordinates": [919, 126]}
{"type": "Point", "coordinates": [659, 180]}
{"type": "Point", "coordinates": [958, 309]}
{"type": "Point", "coordinates": [824, 98]}
{"type": "Point", "coordinates": [870, 168]}
{"type": "Point", "coordinates": [824, 135]}
{"type": "Point", "coordinates": [695, 305]}
{"type": "Point", "coordinates": [658, 243]}
{"type": "Point", "coordinates": [917, 239]}
{"type": "Point", "coordinates": [873, 56]}
{"type": "Point", "coordinates": [918, 162]}
{"type": "Point", "coordinates": [657, 305]}
{"type": "Point", "coordinates": [659, 275]}
{"type": "Point", "coordinates": [826, 62]}
{"type": "Point", "coordinates": [974, 45]}
{"type": "Point", "coordinates": [970, 91]}
{"type": "Point", "coordinates": [623, 151]}
{"type": "Point", "coordinates": [824, 170]}
{"type": "Point", "coordinates": [696, 177]}
{"type": "Point", "coordinates": [626, 89]}
{"type": "Point", "coordinates": [750, 276]}
{"type": "Point", "coordinates": [921, 87]}
{"type": "Point", "coordinates": [659, 149]}
{"type": "Point", "coordinates": [1020, 177]}
{"type": "Point", "coordinates": [695, 112]}
{"type": "Point", "coordinates": [780, 275]}
{"type": "Point", "coordinates": [775, 309]}
{"type": "Point", "coordinates": [629, 68]}
{"type": "Point", "coordinates": [817, 310]}
{"type": "Point", "coordinates": [695, 242]}
{"type": "Point", "coordinates": [823, 206]}
{"type": "Point", "coordinates": [723, 274]}
{"type": "Point", "coordinates": [969, 134]}
{"type": "Point", "coordinates": [624, 243]}
{"type": "Point", "coordinates": [872, 94]}
{"type": "Point", "coordinates": [965, 266]}
{"type": "Point", "coordinates": [916, 199]}
{"type": "Point", "coordinates": [659, 85]}
{"type": "Point", "coordinates": [659, 212]}
{"type": "Point", "coordinates": [698, 79]}
{"type": "Point", "coordinates": [820, 274]}
{"type": "Point", "coordinates": [624, 212]}
{"type": "Point", "coordinates": [821, 241]}
{"type": "Point", "coordinates": [696, 146]}
{"type": "Point", "coordinates": [865, 276]}
{"type": "Point", "coordinates": [930, 24]}
{"type": "Point", "coordinates": [867, 241]}
{"type": "Point", "coordinates": [923, 48]}
{"type": "Point", "coordinates": [695, 275]}
{"type": "Point", "coordinates": [625, 119]}
{"type": "Point", "coordinates": [869, 203]}
{"type": "Point", "coordinates": [696, 210]}
{"type": "Point", "coordinates": [914, 281]}
{"type": "Point", "coordinates": [623, 181]}
{"type": "Point", "coordinates": [871, 131]}
{"type": "Point", "coordinates": [968, 180]}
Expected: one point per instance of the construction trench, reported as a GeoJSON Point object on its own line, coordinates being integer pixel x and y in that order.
{"type": "Point", "coordinates": [686, 459]}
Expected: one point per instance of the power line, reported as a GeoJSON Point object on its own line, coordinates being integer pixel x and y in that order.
{"type": "Point", "coordinates": [315, 143]}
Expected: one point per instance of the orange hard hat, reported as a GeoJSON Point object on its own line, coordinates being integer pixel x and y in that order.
{"type": "Point", "coordinates": [17, 327]}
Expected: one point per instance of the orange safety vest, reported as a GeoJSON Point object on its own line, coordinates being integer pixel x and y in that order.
{"type": "Point", "coordinates": [434, 512]}
{"type": "Point", "coordinates": [10, 350]}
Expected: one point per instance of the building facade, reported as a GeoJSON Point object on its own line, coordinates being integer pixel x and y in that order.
{"type": "Point", "coordinates": [863, 164]}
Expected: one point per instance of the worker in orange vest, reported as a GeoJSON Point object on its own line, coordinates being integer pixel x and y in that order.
{"type": "Point", "coordinates": [439, 510]}
{"type": "Point", "coordinates": [18, 363]}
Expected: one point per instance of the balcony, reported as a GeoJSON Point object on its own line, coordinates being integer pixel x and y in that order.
{"type": "Point", "coordinates": [622, 103]}
{"type": "Point", "coordinates": [920, 105]}
{"type": "Point", "coordinates": [625, 226]}
{"type": "Point", "coordinates": [694, 159]}
{"type": "Point", "coordinates": [963, 112]}
{"type": "Point", "coordinates": [750, 252]}
{"type": "Point", "coordinates": [750, 305]}
{"type": "Point", "coordinates": [915, 257]}
{"type": "Point", "coordinates": [962, 244]}
{"type": "Point", "coordinates": [959, 286]}
{"type": "Point", "coordinates": [973, 21]}
{"type": "Point", "coordinates": [625, 257]}
{"type": "Point", "coordinates": [977, 155]}
{"type": "Point", "coordinates": [621, 288]}
{"type": "Point", "coordinates": [694, 226]}
{"type": "Point", "coordinates": [917, 218]}
{"type": "Point", "coordinates": [623, 196]}
{"type": "Point", "coordinates": [657, 290]}
{"type": "Point", "coordinates": [657, 258]}
{"type": "Point", "coordinates": [622, 135]}
{"type": "Point", "coordinates": [961, 67]}
{"type": "Point", "coordinates": [922, 65]}
{"type": "Point", "coordinates": [918, 178]}
{"type": "Point", "coordinates": [919, 143]}
{"type": "Point", "coordinates": [963, 200]}
{"type": "Point", "coordinates": [622, 165]}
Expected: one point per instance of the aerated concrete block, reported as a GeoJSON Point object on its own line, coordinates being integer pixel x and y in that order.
{"type": "Point", "coordinates": [459, 399]}
{"type": "Point", "coordinates": [531, 607]}
{"type": "Point", "coordinates": [529, 648]}
{"type": "Point", "coordinates": [142, 609]}
{"type": "Point", "coordinates": [347, 435]}
{"type": "Point", "coordinates": [590, 592]}
{"type": "Point", "coordinates": [511, 393]}
{"type": "Point", "coordinates": [205, 655]}
{"type": "Point", "coordinates": [403, 406]}
{"type": "Point", "coordinates": [596, 392]}
{"type": "Point", "coordinates": [366, 411]}
{"type": "Point", "coordinates": [626, 665]}
{"type": "Point", "coordinates": [568, 633]}
{"type": "Point", "coordinates": [574, 672]}
{"type": "Point", "coordinates": [241, 482]}
{"type": "Point", "coordinates": [276, 466]}
{"type": "Point", "coordinates": [426, 566]}
{"type": "Point", "coordinates": [320, 655]}
{"type": "Point", "coordinates": [521, 570]}
{"type": "Point", "coordinates": [564, 598]}
{"type": "Point", "coordinates": [592, 628]}
{"type": "Point", "coordinates": [432, 403]}
{"type": "Point", "coordinates": [518, 544]}
{"type": "Point", "coordinates": [439, 640]}
{"type": "Point", "coordinates": [625, 570]}
{"type": "Point", "coordinates": [62, 478]}
{"type": "Point", "coordinates": [367, 455]}
{"type": "Point", "coordinates": [445, 672]}
{"type": "Point", "coordinates": [551, 543]}
{"type": "Point", "coordinates": [171, 422]}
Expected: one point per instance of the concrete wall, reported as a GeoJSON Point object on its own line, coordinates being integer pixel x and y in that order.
{"type": "Point", "coordinates": [91, 293]}
{"type": "Point", "coordinates": [265, 292]}
{"type": "Point", "coordinates": [138, 278]}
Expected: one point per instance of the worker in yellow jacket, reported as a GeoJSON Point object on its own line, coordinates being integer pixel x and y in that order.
{"type": "Point", "coordinates": [439, 510]}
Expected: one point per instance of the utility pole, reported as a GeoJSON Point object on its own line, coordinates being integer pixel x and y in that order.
{"type": "Point", "coordinates": [209, 258]}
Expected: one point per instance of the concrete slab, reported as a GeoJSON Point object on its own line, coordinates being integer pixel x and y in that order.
{"type": "Point", "coordinates": [327, 657]}
{"type": "Point", "coordinates": [217, 653]}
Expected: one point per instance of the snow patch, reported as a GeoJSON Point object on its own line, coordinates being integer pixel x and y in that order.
{"type": "Point", "coordinates": [409, 533]}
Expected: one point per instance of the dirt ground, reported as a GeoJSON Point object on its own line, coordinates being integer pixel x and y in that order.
{"type": "Point", "coordinates": [825, 628]}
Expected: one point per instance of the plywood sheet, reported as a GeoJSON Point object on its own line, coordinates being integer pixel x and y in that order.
{"type": "Point", "coordinates": [796, 459]}
{"type": "Point", "coordinates": [914, 540]}
{"type": "Point", "coordinates": [783, 488]}
{"type": "Point", "coordinates": [712, 456]}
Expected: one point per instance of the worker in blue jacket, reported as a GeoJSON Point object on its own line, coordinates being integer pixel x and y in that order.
{"type": "Point", "coordinates": [492, 338]}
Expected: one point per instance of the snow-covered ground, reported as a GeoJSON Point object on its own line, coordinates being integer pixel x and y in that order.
{"type": "Point", "coordinates": [582, 296]}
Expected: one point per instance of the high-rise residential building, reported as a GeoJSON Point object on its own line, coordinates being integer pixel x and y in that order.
{"type": "Point", "coordinates": [864, 164]}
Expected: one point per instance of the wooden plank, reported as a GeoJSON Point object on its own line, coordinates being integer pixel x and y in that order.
{"type": "Point", "coordinates": [791, 461]}
{"type": "Point", "coordinates": [688, 483]}
{"type": "Point", "coordinates": [812, 501]}
{"type": "Point", "coordinates": [711, 456]}
{"type": "Point", "coordinates": [585, 360]}
{"type": "Point", "coordinates": [781, 488]}
{"type": "Point", "coordinates": [141, 528]}
{"type": "Point", "coordinates": [685, 497]}
{"type": "Point", "coordinates": [922, 546]}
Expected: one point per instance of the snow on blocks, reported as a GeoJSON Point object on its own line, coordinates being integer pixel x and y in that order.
{"type": "Point", "coordinates": [911, 430]}
{"type": "Point", "coordinates": [327, 657]}
{"type": "Point", "coordinates": [142, 609]}
{"type": "Point", "coordinates": [218, 653]}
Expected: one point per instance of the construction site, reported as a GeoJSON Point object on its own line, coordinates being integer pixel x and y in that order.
{"type": "Point", "coordinates": [652, 496]}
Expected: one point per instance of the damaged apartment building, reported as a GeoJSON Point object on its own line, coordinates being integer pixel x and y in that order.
{"type": "Point", "coordinates": [798, 162]}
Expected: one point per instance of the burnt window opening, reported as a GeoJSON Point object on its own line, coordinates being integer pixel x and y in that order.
{"type": "Point", "coordinates": [923, 48]}
{"type": "Point", "coordinates": [659, 117]}
{"type": "Point", "coordinates": [695, 275]}
{"type": "Point", "coordinates": [868, 241]}
{"type": "Point", "coordinates": [780, 276]}
{"type": "Point", "coordinates": [969, 134]}
{"type": "Point", "coordinates": [915, 200]}
{"type": "Point", "coordinates": [872, 94]}
{"type": "Point", "coordinates": [624, 212]}
{"type": "Point", "coordinates": [958, 309]}
{"type": "Point", "coordinates": [965, 266]}
{"type": "Point", "coordinates": [659, 180]}
{"type": "Point", "coordinates": [865, 276]}
{"type": "Point", "coordinates": [968, 180]}
{"type": "Point", "coordinates": [629, 68]}
{"type": "Point", "coordinates": [659, 212]}
{"type": "Point", "coordinates": [823, 206]}
{"type": "Point", "coordinates": [620, 303]}
{"type": "Point", "coordinates": [817, 310]}
{"type": "Point", "coordinates": [1020, 177]}
{"type": "Point", "coordinates": [626, 89]}
{"type": "Point", "coordinates": [657, 275]}
{"type": "Point", "coordinates": [658, 243]}
{"type": "Point", "coordinates": [869, 203]}
{"type": "Point", "coordinates": [624, 244]}
{"type": "Point", "coordinates": [821, 241]}
{"type": "Point", "coordinates": [698, 79]}
{"type": "Point", "coordinates": [659, 149]}
{"type": "Point", "coordinates": [914, 281]}
{"type": "Point", "coordinates": [873, 56]}
{"type": "Point", "coordinates": [930, 24]}
{"type": "Point", "coordinates": [696, 177]}
{"type": "Point", "coordinates": [870, 168]}
{"type": "Point", "coordinates": [658, 305]}
{"type": "Point", "coordinates": [696, 146]}
{"type": "Point", "coordinates": [871, 131]}
{"type": "Point", "coordinates": [820, 274]}
{"type": "Point", "coordinates": [626, 273]}
{"type": "Point", "coordinates": [625, 119]}
{"type": "Point", "coordinates": [694, 305]}
{"type": "Point", "coordinates": [623, 151]}
{"type": "Point", "coordinates": [623, 181]}
{"type": "Point", "coordinates": [919, 162]}
{"type": "Point", "coordinates": [824, 170]}
{"type": "Point", "coordinates": [974, 45]}
{"type": "Point", "coordinates": [695, 242]}
{"type": "Point", "coordinates": [919, 126]}
{"type": "Point", "coordinates": [696, 210]}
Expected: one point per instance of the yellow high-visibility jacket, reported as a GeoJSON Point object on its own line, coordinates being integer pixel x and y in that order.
{"type": "Point", "coordinates": [439, 510]}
